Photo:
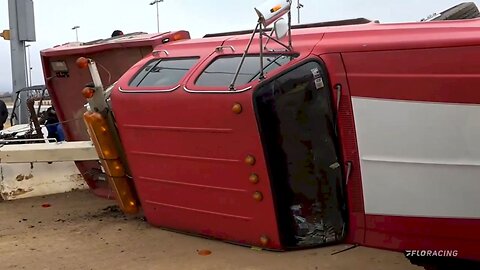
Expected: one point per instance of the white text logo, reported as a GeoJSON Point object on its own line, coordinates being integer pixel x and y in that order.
{"type": "Point", "coordinates": [431, 253]}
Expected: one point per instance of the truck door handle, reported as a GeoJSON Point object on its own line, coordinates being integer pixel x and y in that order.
{"type": "Point", "coordinates": [338, 87]}
{"type": "Point", "coordinates": [349, 171]}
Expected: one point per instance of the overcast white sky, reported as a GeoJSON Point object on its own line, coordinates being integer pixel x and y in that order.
{"type": "Point", "coordinates": [98, 18]}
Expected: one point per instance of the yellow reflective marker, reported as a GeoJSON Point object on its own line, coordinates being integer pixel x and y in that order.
{"type": "Point", "coordinates": [276, 8]}
{"type": "Point", "coordinates": [5, 34]}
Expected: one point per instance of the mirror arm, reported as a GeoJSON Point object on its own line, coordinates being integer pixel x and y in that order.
{"type": "Point", "coordinates": [290, 30]}
{"type": "Point", "coordinates": [280, 43]}
{"type": "Point", "coordinates": [270, 36]}
{"type": "Point", "coordinates": [232, 85]}
{"type": "Point", "coordinates": [262, 74]}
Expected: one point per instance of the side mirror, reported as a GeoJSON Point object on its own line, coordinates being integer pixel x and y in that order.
{"type": "Point", "coordinates": [271, 10]}
{"type": "Point", "coordinates": [280, 28]}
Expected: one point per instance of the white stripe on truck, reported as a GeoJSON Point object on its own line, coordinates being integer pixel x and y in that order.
{"type": "Point", "coordinates": [419, 158]}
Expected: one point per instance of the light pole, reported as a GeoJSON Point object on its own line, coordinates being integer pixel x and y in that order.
{"type": "Point", "coordinates": [299, 6]}
{"type": "Point", "coordinates": [76, 30]}
{"type": "Point", "coordinates": [29, 66]}
{"type": "Point", "coordinates": [155, 2]}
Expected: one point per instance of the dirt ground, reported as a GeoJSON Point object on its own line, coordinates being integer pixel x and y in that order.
{"type": "Point", "coordinates": [80, 231]}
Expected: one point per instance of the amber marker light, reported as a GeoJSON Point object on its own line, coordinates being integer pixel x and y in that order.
{"type": "Point", "coordinates": [124, 194]}
{"type": "Point", "coordinates": [264, 240]}
{"type": "Point", "coordinates": [82, 62]}
{"type": "Point", "coordinates": [101, 137]}
{"type": "Point", "coordinates": [179, 36]}
{"type": "Point", "coordinates": [258, 196]}
{"type": "Point", "coordinates": [253, 178]}
{"type": "Point", "coordinates": [88, 92]}
{"type": "Point", "coordinates": [237, 108]}
{"type": "Point", "coordinates": [276, 8]}
{"type": "Point", "coordinates": [113, 167]}
{"type": "Point", "coordinates": [104, 142]}
{"type": "Point", "coordinates": [250, 160]}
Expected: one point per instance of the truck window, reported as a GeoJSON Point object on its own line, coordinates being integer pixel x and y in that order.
{"type": "Point", "coordinates": [222, 70]}
{"type": "Point", "coordinates": [163, 72]}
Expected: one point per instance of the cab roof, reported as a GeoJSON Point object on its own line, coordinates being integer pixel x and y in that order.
{"type": "Point", "coordinates": [136, 39]}
{"type": "Point", "coordinates": [353, 35]}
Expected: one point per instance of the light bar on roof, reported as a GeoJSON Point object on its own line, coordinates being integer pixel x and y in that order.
{"type": "Point", "coordinates": [272, 10]}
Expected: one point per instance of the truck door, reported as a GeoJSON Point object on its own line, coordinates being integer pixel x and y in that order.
{"type": "Point", "coordinates": [297, 122]}
{"type": "Point", "coordinates": [347, 135]}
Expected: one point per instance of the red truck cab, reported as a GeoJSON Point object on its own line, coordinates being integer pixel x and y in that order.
{"type": "Point", "coordinates": [344, 132]}
{"type": "Point", "coordinates": [361, 134]}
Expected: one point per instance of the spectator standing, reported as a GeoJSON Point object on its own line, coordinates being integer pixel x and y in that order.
{"type": "Point", "coordinates": [3, 113]}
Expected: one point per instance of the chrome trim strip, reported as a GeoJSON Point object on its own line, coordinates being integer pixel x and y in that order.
{"type": "Point", "coordinates": [217, 92]}
{"type": "Point", "coordinates": [148, 91]}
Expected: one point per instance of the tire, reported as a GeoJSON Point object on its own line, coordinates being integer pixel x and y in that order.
{"type": "Point", "coordinates": [443, 263]}
{"type": "Point", "coordinates": [462, 11]}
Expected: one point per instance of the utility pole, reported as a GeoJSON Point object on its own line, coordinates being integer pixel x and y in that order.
{"type": "Point", "coordinates": [76, 30]}
{"type": "Point", "coordinates": [22, 29]}
{"type": "Point", "coordinates": [155, 2]}
{"type": "Point", "coordinates": [29, 66]}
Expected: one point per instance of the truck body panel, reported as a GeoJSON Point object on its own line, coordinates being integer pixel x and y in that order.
{"type": "Point", "coordinates": [64, 83]}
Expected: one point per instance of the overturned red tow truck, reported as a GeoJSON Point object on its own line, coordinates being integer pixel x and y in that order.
{"type": "Point", "coordinates": [364, 134]}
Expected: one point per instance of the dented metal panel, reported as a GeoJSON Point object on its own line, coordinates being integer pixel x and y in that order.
{"type": "Point", "coordinates": [24, 180]}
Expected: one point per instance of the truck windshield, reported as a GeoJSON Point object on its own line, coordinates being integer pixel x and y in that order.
{"type": "Point", "coordinates": [163, 72]}
{"type": "Point", "coordinates": [222, 70]}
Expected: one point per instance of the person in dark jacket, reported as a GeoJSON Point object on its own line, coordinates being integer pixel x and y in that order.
{"type": "Point", "coordinates": [3, 113]}
{"type": "Point", "coordinates": [54, 127]}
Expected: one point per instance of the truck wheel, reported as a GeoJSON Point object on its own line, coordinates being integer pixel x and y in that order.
{"type": "Point", "coordinates": [461, 11]}
{"type": "Point", "coordinates": [444, 263]}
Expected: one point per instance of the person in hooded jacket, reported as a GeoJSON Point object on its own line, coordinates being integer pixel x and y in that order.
{"type": "Point", "coordinates": [3, 113]}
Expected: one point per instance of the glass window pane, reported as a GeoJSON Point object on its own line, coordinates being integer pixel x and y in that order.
{"type": "Point", "coordinates": [143, 73]}
{"type": "Point", "coordinates": [222, 70]}
{"type": "Point", "coordinates": [163, 72]}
